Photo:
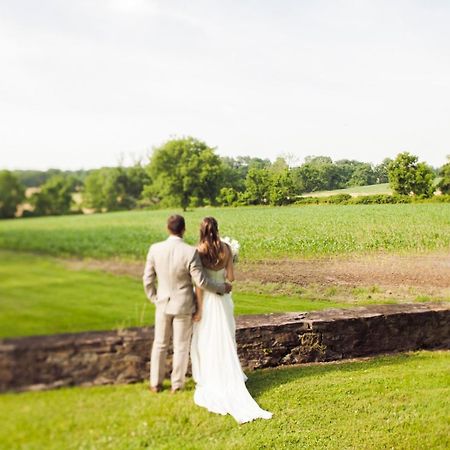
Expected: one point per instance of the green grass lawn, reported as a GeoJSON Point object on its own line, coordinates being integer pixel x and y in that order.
{"type": "Point", "coordinates": [388, 402]}
{"type": "Point", "coordinates": [42, 295]}
{"type": "Point", "coordinates": [264, 232]}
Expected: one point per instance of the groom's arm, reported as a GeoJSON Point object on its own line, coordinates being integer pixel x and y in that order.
{"type": "Point", "coordinates": [149, 277]}
{"type": "Point", "coordinates": [202, 281]}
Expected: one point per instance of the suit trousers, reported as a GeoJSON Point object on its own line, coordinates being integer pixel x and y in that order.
{"type": "Point", "coordinates": [178, 326]}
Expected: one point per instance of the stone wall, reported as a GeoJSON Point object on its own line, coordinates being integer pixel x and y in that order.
{"type": "Point", "coordinates": [122, 356]}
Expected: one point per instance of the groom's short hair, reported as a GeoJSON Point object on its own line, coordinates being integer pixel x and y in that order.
{"type": "Point", "coordinates": [176, 224]}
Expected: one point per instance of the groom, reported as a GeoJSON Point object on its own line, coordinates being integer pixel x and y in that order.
{"type": "Point", "coordinates": [175, 266]}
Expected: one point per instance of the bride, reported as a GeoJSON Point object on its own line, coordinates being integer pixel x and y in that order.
{"type": "Point", "coordinates": [220, 381]}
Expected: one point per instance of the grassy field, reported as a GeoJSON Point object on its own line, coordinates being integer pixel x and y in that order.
{"type": "Point", "coordinates": [264, 232]}
{"type": "Point", "coordinates": [354, 191]}
{"type": "Point", "coordinates": [396, 402]}
{"type": "Point", "coordinates": [43, 295]}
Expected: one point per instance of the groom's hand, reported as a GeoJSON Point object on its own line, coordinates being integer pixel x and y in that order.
{"type": "Point", "coordinates": [228, 288]}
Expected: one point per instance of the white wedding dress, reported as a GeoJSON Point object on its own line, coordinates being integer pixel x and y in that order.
{"type": "Point", "coordinates": [220, 381]}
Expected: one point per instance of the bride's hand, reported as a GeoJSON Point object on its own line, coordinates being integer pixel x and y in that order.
{"type": "Point", "coordinates": [197, 316]}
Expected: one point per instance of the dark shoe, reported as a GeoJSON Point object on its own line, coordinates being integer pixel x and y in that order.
{"type": "Point", "coordinates": [155, 389]}
{"type": "Point", "coordinates": [175, 390]}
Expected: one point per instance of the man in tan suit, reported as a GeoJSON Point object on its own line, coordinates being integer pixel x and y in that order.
{"type": "Point", "coordinates": [175, 266]}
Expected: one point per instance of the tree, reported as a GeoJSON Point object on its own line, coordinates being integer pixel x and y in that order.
{"type": "Point", "coordinates": [407, 175]}
{"type": "Point", "coordinates": [279, 165]}
{"type": "Point", "coordinates": [318, 160]}
{"type": "Point", "coordinates": [55, 196]}
{"type": "Point", "coordinates": [307, 178]}
{"type": "Point", "coordinates": [320, 173]}
{"type": "Point", "coordinates": [36, 178]}
{"type": "Point", "coordinates": [282, 188]}
{"type": "Point", "coordinates": [233, 173]}
{"type": "Point", "coordinates": [115, 188]}
{"type": "Point", "coordinates": [382, 172]}
{"type": "Point", "coordinates": [184, 172]}
{"type": "Point", "coordinates": [235, 170]}
{"type": "Point", "coordinates": [362, 175]}
{"type": "Point", "coordinates": [444, 184]}
{"type": "Point", "coordinates": [227, 196]}
{"type": "Point", "coordinates": [12, 193]}
{"type": "Point", "coordinates": [257, 186]}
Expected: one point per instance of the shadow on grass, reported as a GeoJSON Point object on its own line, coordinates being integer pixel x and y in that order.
{"type": "Point", "coordinates": [267, 379]}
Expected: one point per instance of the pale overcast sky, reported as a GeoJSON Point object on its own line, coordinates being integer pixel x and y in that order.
{"type": "Point", "coordinates": [84, 81]}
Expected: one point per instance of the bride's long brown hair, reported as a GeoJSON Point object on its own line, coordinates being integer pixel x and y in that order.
{"type": "Point", "coordinates": [210, 247]}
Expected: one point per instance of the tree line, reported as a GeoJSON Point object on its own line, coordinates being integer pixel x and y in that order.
{"type": "Point", "coordinates": [188, 173]}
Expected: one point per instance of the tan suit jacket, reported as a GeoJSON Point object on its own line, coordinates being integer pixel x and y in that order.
{"type": "Point", "coordinates": [171, 269]}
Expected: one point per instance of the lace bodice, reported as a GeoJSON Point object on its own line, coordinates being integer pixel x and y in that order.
{"type": "Point", "coordinates": [216, 275]}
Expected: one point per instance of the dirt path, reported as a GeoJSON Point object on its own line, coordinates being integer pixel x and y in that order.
{"type": "Point", "coordinates": [388, 271]}
{"type": "Point", "coordinates": [381, 270]}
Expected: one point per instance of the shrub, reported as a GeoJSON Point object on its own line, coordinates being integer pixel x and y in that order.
{"type": "Point", "coordinates": [336, 199]}
{"type": "Point", "coordinates": [307, 201]}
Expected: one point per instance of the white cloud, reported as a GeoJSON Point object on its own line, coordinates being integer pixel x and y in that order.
{"type": "Point", "coordinates": [134, 6]}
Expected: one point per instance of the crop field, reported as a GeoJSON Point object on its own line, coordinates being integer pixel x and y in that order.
{"type": "Point", "coordinates": [264, 232]}
{"type": "Point", "coordinates": [398, 401]}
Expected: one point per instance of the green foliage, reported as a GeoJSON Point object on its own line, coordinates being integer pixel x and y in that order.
{"type": "Point", "coordinates": [36, 178]}
{"type": "Point", "coordinates": [235, 170]}
{"type": "Point", "coordinates": [376, 199]}
{"type": "Point", "coordinates": [115, 188]}
{"type": "Point", "coordinates": [321, 173]}
{"type": "Point", "coordinates": [380, 199]}
{"type": "Point", "coordinates": [308, 178]}
{"type": "Point", "coordinates": [444, 198]}
{"type": "Point", "coordinates": [277, 184]}
{"type": "Point", "coordinates": [337, 199]}
{"type": "Point", "coordinates": [363, 175]}
{"type": "Point", "coordinates": [282, 190]}
{"type": "Point", "coordinates": [228, 197]}
{"type": "Point", "coordinates": [381, 171]}
{"type": "Point", "coordinates": [184, 172]}
{"type": "Point", "coordinates": [397, 401]}
{"type": "Point", "coordinates": [407, 175]}
{"type": "Point", "coordinates": [444, 184]}
{"type": "Point", "coordinates": [257, 185]}
{"type": "Point", "coordinates": [12, 193]}
{"type": "Point", "coordinates": [279, 165]}
{"type": "Point", "coordinates": [263, 232]}
{"type": "Point", "coordinates": [313, 176]}
{"type": "Point", "coordinates": [274, 185]}
{"type": "Point", "coordinates": [54, 197]}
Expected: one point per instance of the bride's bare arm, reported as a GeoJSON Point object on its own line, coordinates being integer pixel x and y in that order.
{"type": "Point", "coordinates": [198, 304]}
{"type": "Point", "coordinates": [229, 266]}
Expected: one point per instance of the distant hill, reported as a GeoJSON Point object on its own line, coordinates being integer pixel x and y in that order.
{"type": "Point", "coordinates": [354, 191]}
{"type": "Point", "coordinates": [357, 191]}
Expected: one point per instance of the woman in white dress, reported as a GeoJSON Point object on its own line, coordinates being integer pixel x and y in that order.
{"type": "Point", "coordinates": [220, 381]}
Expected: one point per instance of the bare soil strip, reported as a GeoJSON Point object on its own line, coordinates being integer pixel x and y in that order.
{"type": "Point", "coordinates": [381, 270]}
{"type": "Point", "coordinates": [395, 275]}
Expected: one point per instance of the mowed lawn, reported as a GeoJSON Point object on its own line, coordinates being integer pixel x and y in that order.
{"type": "Point", "coordinates": [392, 402]}
{"type": "Point", "coordinates": [264, 232]}
{"type": "Point", "coordinates": [42, 295]}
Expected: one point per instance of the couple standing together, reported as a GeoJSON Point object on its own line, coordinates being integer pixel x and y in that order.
{"type": "Point", "coordinates": [190, 288]}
